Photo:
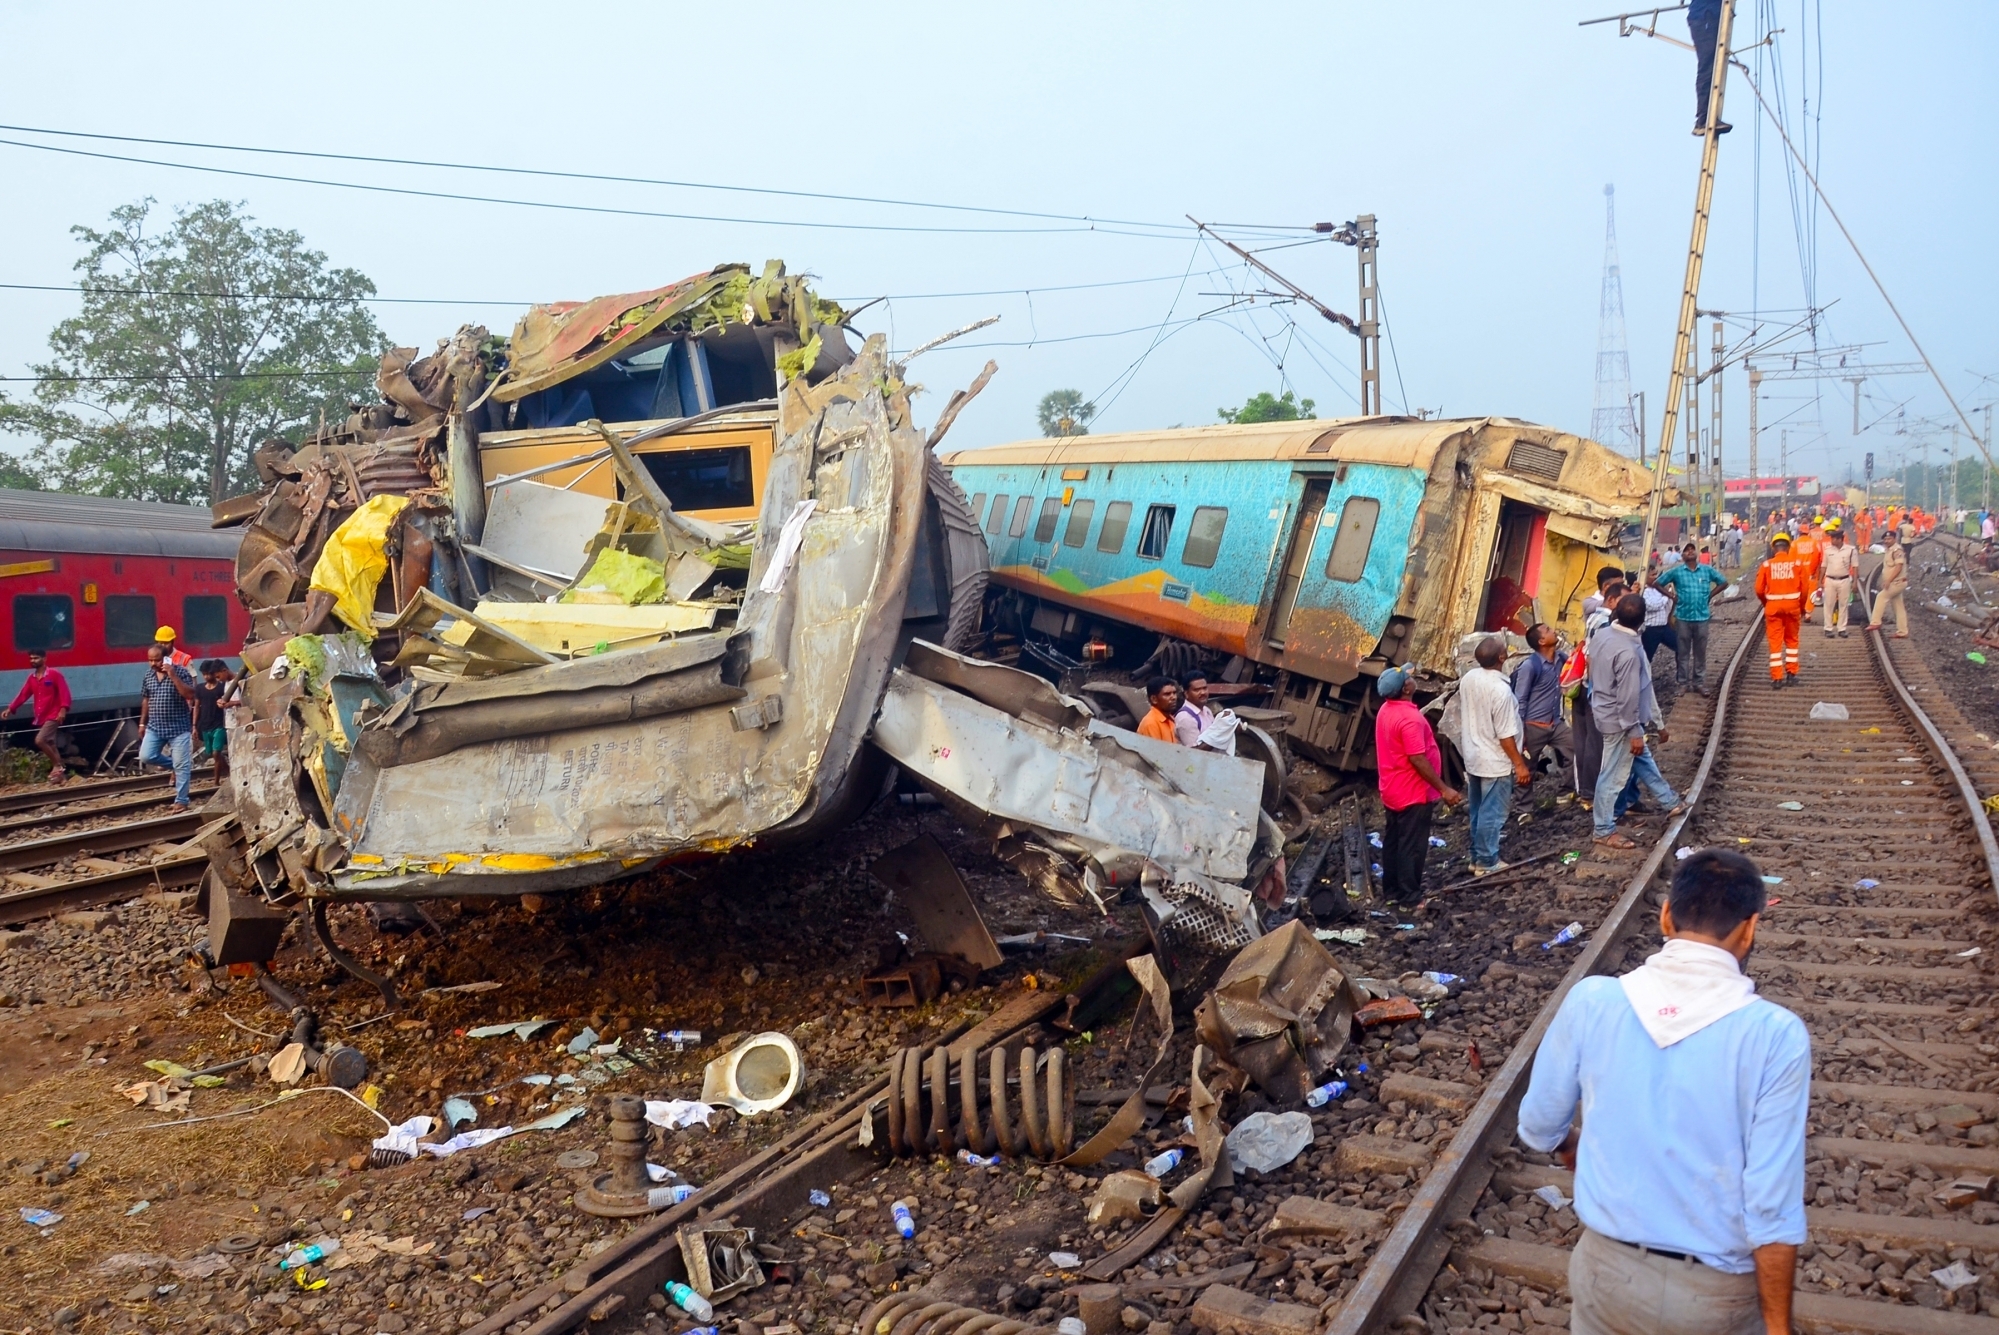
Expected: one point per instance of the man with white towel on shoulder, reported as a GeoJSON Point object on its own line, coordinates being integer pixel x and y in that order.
{"type": "Point", "coordinates": [1679, 1097]}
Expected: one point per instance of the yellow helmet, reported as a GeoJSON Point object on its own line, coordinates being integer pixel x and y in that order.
{"type": "Point", "coordinates": [1780, 536]}
{"type": "Point", "coordinates": [1832, 526]}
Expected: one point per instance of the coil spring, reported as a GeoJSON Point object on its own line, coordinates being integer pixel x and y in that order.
{"type": "Point", "coordinates": [916, 1314]}
{"type": "Point", "coordinates": [921, 1105]}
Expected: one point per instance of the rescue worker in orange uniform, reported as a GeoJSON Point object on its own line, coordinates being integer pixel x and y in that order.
{"type": "Point", "coordinates": [1782, 587]}
{"type": "Point", "coordinates": [1808, 549]}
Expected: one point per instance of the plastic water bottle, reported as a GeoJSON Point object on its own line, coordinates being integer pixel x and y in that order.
{"type": "Point", "coordinates": [818, 1198]}
{"type": "Point", "coordinates": [1563, 937]}
{"type": "Point", "coordinates": [1326, 1093]}
{"type": "Point", "coordinates": [688, 1301]}
{"type": "Point", "coordinates": [978, 1160]}
{"type": "Point", "coordinates": [659, 1198]}
{"type": "Point", "coordinates": [308, 1255]}
{"type": "Point", "coordinates": [1163, 1164]}
{"type": "Point", "coordinates": [905, 1223]}
{"type": "Point", "coordinates": [683, 1038]}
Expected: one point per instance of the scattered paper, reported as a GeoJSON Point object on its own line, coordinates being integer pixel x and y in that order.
{"type": "Point", "coordinates": [554, 1121]}
{"type": "Point", "coordinates": [1967, 954]}
{"type": "Point", "coordinates": [140, 1208]}
{"type": "Point", "coordinates": [40, 1218]}
{"type": "Point", "coordinates": [583, 1042]}
{"type": "Point", "coordinates": [659, 1172]}
{"type": "Point", "coordinates": [1827, 712]}
{"type": "Point", "coordinates": [457, 1110]}
{"type": "Point", "coordinates": [366, 1248]}
{"type": "Point", "coordinates": [158, 1095]}
{"type": "Point", "coordinates": [1685, 851]}
{"type": "Point", "coordinates": [288, 1065]}
{"type": "Point", "coordinates": [1773, 880]}
{"type": "Point", "coordinates": [1865, 883]}
{"type": "Point", "coordinates": [1553, 1196]}
{"type": "Point", "coordinates": [467, 1140]}
{"type": "Point", "coordinates": [1790, 806]}
{"type": "Point", "coordinates": [201, 1267]}
{"type": "Point", "coordinates": [403, 1139]}
{"type": "Point", "coordinates": [475, 1212]}
{"type": "Point", "coordinates": [1351, 936]}
{"type": "Point", "coordinates": [1064, 1260]}
{"type": "Point", "coordinates": [1953, 1277]}
{"type": "Point", "coordinates": [674, 1114]}
{"type": "Point", "coordinates": [521, 1029]}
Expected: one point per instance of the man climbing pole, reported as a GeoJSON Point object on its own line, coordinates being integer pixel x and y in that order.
{"type": "Point", "coordinates": [1781, 587]}
{"type": "Point", "coordinates": [1704, 22]}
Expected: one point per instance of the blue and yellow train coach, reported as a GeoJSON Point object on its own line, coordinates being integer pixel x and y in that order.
{"type": "Point", "coordinates": [1322, 552]}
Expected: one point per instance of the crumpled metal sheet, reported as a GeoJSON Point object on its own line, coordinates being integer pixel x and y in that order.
{"type": "Point", "coordinates": [562, 339]}
{"type": "Point", "coordinates": [1282, 1011]}
{"type": "Point", "coordinates": [556, 810]}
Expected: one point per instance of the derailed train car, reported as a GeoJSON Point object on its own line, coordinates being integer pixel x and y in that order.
{"type": "Point", "coordinates": [1320, 552]}
{"type": "Point", "coordinates": [502, 646]}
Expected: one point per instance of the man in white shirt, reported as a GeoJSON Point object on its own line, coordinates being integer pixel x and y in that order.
{"type": "Point", "coordinates": [1839, 562]}
{"type": "Point", "coordinates": [1490, 728]}
{"type": "Point", "coordinates": [1194, 716]}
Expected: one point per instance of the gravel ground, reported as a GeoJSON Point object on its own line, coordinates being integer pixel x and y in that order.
{"type": "Point", "coordinates": [783, 938]}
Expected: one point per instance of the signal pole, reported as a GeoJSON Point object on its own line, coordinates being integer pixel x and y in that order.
{"type": "Point", "coordinates": [1683, 340]}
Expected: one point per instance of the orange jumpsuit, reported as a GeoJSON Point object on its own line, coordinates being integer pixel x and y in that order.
{"type": "Point", "coordinates": [1806, 550]}
{"type": "Point", "coordinates": [1782, 586]}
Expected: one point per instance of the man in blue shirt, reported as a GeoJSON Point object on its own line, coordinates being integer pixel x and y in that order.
{"type": "Point", "coordinates": [1704, 22]}
{"type": "Point", "coordinates": [1689, 1152]}
{"type": "Point", "coordinates": [1691, 586]}
{"type": "Point", "coordinates": [1537, 690]}
{"type": "Point", "coordinates": [166, 720]}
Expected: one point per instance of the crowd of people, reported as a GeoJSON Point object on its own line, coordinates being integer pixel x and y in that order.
{"type": "Point", "coordinates": [178, 711]}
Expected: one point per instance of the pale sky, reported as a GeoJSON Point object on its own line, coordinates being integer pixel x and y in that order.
{"type": "Point", "coordinates": [1481, 136]}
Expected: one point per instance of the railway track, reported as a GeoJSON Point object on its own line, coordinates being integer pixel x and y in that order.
{"type": "Point", "coordinates": [59, 848]}
{"type": "Point", "coordinates": [1880, 937]}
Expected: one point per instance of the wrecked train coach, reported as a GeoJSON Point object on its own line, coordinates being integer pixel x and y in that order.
{"type": "Point", "coordinates": [502, 646]}
{"type": "Point", "coordinates": [1317, 552]}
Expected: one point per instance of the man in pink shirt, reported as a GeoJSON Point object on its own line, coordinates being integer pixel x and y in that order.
{"type": "Point", "coordinates": [51, 696]}
{"type": "Point", "coordinates": [1410, 768]}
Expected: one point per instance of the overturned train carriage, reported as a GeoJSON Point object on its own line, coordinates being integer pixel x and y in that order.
{"type": "Point", "coordinates": [501, 650]}
{"type": "Point", "coordinates": [1321, 552]}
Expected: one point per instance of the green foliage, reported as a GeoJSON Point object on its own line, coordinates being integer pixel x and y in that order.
{"type": "Point", "coordinates": [1264, 408]}
{"type": "Point", "coordinates": [1062, 412]}
{"type": "Point", "coordinates": [194, 344]}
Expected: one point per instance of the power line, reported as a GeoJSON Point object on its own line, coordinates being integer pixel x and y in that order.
{"type": "Point", "coordinates": [632, 180]}
{"type": "Point", "coordinates": [469, 301]}
{"type": "Point", "coordinates": [413, 192]}
{"type": "Point", "coordinates": [183, 376]}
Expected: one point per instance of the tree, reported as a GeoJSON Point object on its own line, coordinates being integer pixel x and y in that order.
{"type": "Point", "coordinates": [1263, 408]}
{"type": "Point", "coordinates": [193, 346]}
{"type": "Point", "coordinates": [1062, 412]}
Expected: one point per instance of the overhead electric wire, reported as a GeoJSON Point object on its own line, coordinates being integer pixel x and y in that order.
{"type": "Point", "coordinates": [460, 197]}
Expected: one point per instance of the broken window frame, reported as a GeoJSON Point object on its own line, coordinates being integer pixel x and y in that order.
{"type": "Point", "coordinates": [1347, 562]}
{"type": "Point", "coordinates": [1199, 550]}
{"type": "Point", "coordinates": [1156, 532]}
{"type": "Point", "coordinates": [1078, 531]}
{"type": "Point", "coordinates": [1117, 523]}
{"type": "Point", "coordinates": [1051, 515]}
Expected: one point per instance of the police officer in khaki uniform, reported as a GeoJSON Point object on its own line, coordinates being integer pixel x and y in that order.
{"type": "Point", "coordinates": [1838, 563]}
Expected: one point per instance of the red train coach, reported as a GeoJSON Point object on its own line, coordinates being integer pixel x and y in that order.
{"type": "Point", "coordinates": [89, 580]}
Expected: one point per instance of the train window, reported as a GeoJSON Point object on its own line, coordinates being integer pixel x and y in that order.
{"type": "Point", "coordinates": [716, 479]}
{"type": "Point", "coordinates": [1353, 539]}
{"type": "Point", "coordinates": [1021, 509]}
{"type": "Point", "coordinates": [129, 620]}
{"type": "Point", "coordinates": [204, 618]}
{"type": "Point", "coordinates": [1204, 536]}
{"type": "Point", "coordinates": [1078, 531]}
{"type": "Point", "coordinates": [43, 621]}
{"type": "Point", "coordinates": [998, 515]}
{"type": "Point", "coordinates": [978, 508]}
{"type": "Point", "coordinates": [1158, 528]}
{"type": "Point", "coordinates": [1051, 515]}
{"type": "Point", "coordinates": [1117, 519]}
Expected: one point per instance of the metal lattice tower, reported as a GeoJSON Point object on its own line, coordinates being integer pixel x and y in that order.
{"type": "Point", "coordinates": [1611, 421]}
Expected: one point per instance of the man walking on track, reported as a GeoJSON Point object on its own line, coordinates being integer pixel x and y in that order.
{"type": "Point", "coordinates": [1894, 585]}
{"type": "Point", "coordinates": [1690, 1165]}
{"type": "Point", "coordinates": [1623, 705]}
{"type": "Point", "coordinates": [1691, 587]}
{"type": "Point", "coordinates": [1494, 765]}
{"type": "Point", "coordinates": [1781, 586]}
{"type": "Point", "coordinates": [50, 693]}
{"type": "Point", "coordinates": [1409, 767]}
{"type": "Point", "coordinates": [1837, 568]}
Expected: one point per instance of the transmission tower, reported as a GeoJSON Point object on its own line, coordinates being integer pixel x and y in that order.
{"type": "Point", "coordinates": [1610, 420]}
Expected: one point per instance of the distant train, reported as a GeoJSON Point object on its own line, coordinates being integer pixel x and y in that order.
{"type": "Point", "coordinates": [88, 580]}
{"type": "Point", "coordinates": [1322, 552]}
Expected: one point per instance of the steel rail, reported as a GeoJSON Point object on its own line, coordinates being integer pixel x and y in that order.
{"type": "Point", "coordinates": [34, 799]}
{"type": "Point", "coordinates": [1396, 1280]}
{"type": "Point", "coordinates": [1932, 735]}
{"type": "Point", "coordinates": [176, 873]}
{"type": "Point", "coordinates": [104, 839]}
{"type": "Point", "coordinates": [138, 801]}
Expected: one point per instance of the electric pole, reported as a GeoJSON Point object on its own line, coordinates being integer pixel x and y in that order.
{"type": "Point", "coordinates": [1714, 427]}
{"type": "Point", "coordinates": [1683, 339]}
{"type": "Point", "coordinates": [1693, 487]}
{"type": "Point", "coordinates": [1755, 479]}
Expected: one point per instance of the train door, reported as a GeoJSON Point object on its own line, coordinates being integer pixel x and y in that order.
{"type": "Point", "coordinates": [1297, 559]}
{"type": "Point", "coordinates": [1514, 581]}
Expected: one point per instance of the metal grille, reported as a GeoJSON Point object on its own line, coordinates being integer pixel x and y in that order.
{"type": "Point", "coordinates": [1535, 461]}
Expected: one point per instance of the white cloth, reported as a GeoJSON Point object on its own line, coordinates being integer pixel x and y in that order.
{"type": "Point", "coordinates": [1220, 734]}
{"type": "Point", "coordinates": [1658, 607]}
{"type": "Point", "coordinates": [789, 539]}
{"type": "Point", "coordinates": [1685, 988]}
{"type": "Point", "coordinates": [1486, 713]}
{"type": "Point", "coordinates": [673, 1114]}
